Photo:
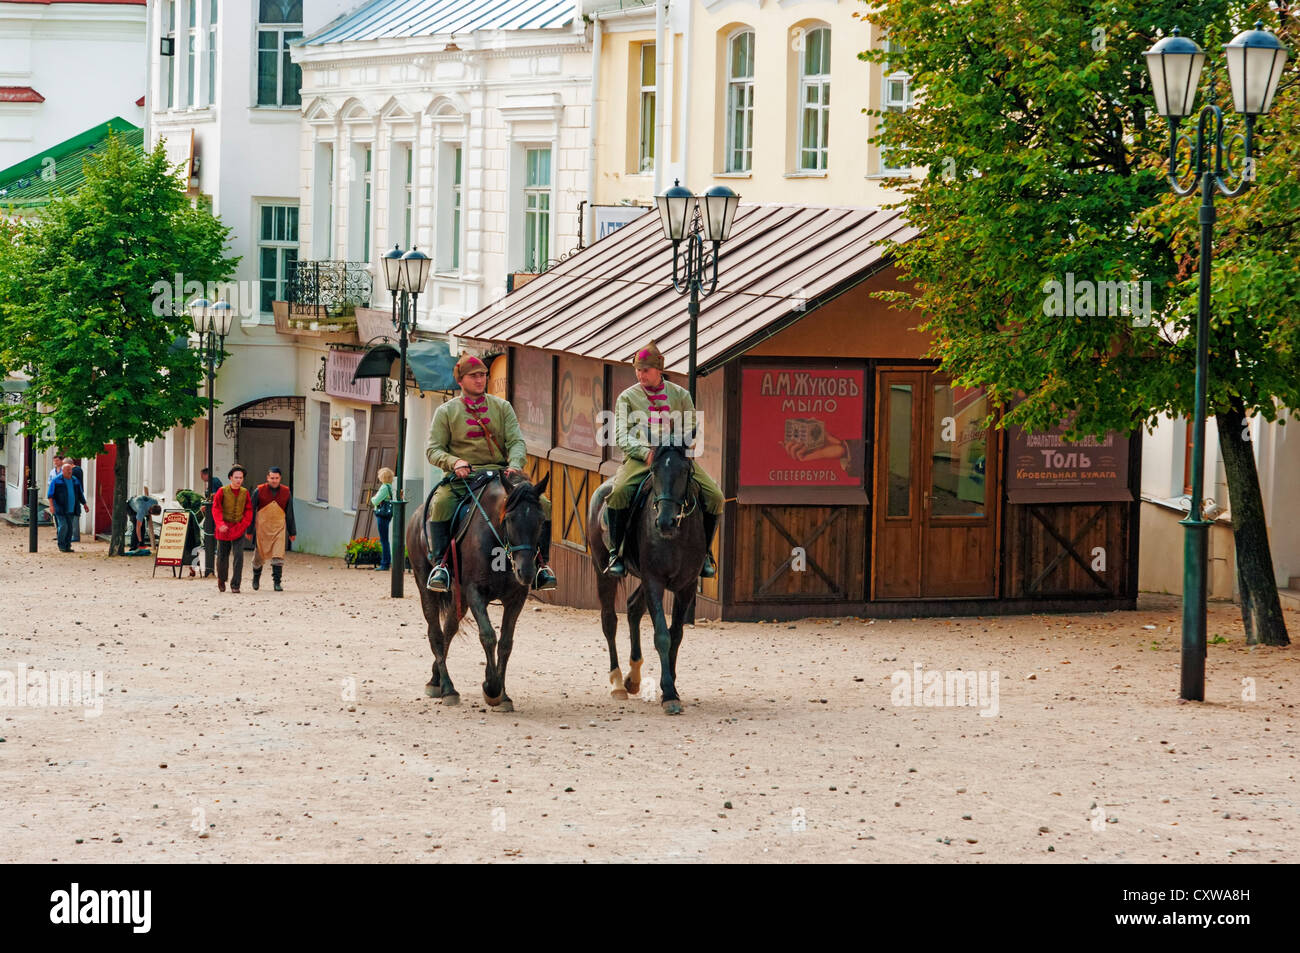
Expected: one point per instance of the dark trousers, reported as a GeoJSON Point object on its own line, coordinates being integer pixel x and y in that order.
{"type": "Point", "coordinates": [225, 547]}
{"type": "Point", "coordinates": [63, 523]}
{"type": "Point", "coordinates": [385, 560]}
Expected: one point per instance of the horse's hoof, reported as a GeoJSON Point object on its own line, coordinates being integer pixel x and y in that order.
{"type": "Point", "coordinates": [432, 690]}
{"type": "Point", "coordinates": [618, 694]}
{"type": "Point", "coordinates": [505, 705]}
{"type": "Point", "coordinates": [451, 701]}
{"type": "Point", "coordinates": [672, 706]}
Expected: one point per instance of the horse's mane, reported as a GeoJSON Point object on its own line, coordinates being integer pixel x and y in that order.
{"type": "Point", "coordinates": [523, 492]}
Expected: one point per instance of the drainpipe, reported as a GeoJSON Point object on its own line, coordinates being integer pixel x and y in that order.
{"type": "Point", "coordinates": [148, 74]}
{"type": "Point", "coordinates": [661, 128]}
{"type": "Point", "coordinates": [687, 40]}
{"type": "Point", "coordinates": [595, 123]}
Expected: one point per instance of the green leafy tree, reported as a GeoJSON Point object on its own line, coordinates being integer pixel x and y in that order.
{"type": "Point", "coordinates": [1046, 166]}
{"type": "Point", "coordinates": [81, 313]}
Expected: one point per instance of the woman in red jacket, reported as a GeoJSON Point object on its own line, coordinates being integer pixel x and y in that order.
{"type": "Point", "coordinates": [232, 513]}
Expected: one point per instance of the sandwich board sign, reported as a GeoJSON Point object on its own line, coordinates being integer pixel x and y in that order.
{"type": "Point", "coordinates": [171, 540]}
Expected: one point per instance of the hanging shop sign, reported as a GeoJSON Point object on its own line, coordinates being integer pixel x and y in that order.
{"type": "Point", "coordinates": [339, 368]}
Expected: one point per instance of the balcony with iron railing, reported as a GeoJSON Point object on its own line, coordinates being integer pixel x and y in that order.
{"type": "Point", "coordinates": [321, 300]}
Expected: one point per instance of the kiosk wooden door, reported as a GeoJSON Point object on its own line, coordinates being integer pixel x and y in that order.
{"type": "Point", "coordinates": [935, 524]}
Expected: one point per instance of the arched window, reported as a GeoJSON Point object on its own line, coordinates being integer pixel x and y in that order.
{"type": "Point", "coordinates": [740, 101]}
{"type": "Point", "coordinates": [815, 99]}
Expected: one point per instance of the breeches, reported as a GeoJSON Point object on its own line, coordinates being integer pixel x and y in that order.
{"type": "Point", "coordinates": [631, 472]}
{"type": "Point", "coordinates": [447, 496]}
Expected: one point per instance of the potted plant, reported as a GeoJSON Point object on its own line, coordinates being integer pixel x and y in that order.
{"type": "Point", "coordinates": [363, 552]}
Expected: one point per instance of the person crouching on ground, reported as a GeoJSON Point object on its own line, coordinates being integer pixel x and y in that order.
{"type": "Point", "coordinates": [232, 513]}
{"type": "Point", "coordinates": [273, 506]}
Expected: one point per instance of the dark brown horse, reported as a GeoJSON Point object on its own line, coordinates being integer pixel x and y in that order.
{"type": "Point", "coordinates": [665, 550]}
{"type": "Point", "coordinates": [497, 560]}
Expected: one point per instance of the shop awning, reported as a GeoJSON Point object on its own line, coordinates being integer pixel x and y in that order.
{"type": "Point", "coordinates": [430, 363]}
{"type": "Point", "coordinates": [781, 262]}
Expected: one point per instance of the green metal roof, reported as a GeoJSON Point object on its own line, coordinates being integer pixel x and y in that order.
{"type": "Point", "coordinates": [34, 182]}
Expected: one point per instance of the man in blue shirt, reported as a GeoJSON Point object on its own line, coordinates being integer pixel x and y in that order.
{"type": "Point", "coordinates": [65, 495]}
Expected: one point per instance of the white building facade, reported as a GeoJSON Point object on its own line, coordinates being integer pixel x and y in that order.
{"type": "Point", "coordinates": [42, 100]}
{"type": "Point", "coordinates": [1166, 487]}
{"type": "Point", "coordinates": [224, 97]}
{"type": "Point", "coordinates": [465, 135]}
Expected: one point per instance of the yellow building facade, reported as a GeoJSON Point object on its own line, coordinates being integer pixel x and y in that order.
{"type": "Point", "coordinates": [764, 96]}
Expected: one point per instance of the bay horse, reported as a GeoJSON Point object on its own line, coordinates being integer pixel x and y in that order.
{"type": "Point", "coordinates": [664, 548]}
{"type": "Point", "coordinates": [497, 560]}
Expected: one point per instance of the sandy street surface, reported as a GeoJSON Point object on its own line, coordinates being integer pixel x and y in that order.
{"type": "Point", "coordinates": [225, 734]}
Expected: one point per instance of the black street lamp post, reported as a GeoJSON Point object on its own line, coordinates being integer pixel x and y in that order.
{"type": "Point", "coordinates": [1255, 59]}
{"type": "Point", "coordinates": [695, 219]}
{"type": "Point", "coordinates": [406, 274]}
{"type": "Point", "coordinates": [212, 321]}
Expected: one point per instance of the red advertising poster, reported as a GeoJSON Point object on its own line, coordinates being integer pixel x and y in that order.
{"type": "Point", "coordinates": [802, 427]}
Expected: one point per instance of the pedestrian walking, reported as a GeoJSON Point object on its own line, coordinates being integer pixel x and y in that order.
{"type": "Point", "coordinates": [81, 478]}
{"type": "Point", "coordinates": [65, 496]}
{"type": "Point", "coordinates": [382, 502]}
{"type": "Point", "coordinates": [232, 513]}
{"type": "Point", "coordinates": [56, 471]}
{"type": "Point", "coordinates": [211, 484]}
{"type": "Point", "coordinates": [273, 506]}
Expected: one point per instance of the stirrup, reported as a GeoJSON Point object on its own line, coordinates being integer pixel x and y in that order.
{"type": "Point", "coordinates": [439, 579]}
{"type": "Point", "coordinates": [616, 567]}
{"type": "Point", "coordinates": [709, 569]}
{"type": "Point", "coordinates": [545, 579]}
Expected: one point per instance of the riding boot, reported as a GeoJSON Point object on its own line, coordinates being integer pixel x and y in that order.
{"type": "Point", "coordinates": [276, 573]}
{"type": "Point", "coordinates": [545, 579]}
{"type": "Point", "coordinates": [439, 578]}
{"type": "Point", "coordinates": [617, 531]}
{"type": "Point", "coordinates": [257, 577]}
{"type": "Point", "coordinates": [710, 524]}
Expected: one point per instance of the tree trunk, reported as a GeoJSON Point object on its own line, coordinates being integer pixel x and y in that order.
{"type": "Point", "coordinates": [1261, 611]}
{"type": "Point", "coordinates": [117, 540]}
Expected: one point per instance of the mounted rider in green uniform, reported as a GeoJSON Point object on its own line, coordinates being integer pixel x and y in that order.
{"type": "Point", "coordinates": [636, 415]}
{"type": "Point", "coordinates": [474, 432]}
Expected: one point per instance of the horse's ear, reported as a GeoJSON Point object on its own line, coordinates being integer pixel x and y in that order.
{"type": "Point", "coordinates": [541, 487]}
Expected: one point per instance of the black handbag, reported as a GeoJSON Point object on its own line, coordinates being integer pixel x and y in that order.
{"type": "Point", "coordinates": [384, 510]}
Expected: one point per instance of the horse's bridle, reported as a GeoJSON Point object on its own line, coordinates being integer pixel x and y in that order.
{"type": "Point", "coordinates": [502, 537]}
{"type": "Point", "coordinates": [685, 506]}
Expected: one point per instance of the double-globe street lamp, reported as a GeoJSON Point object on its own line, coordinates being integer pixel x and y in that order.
{"type": "Point", "coordinates": [212, 321]}
{"type": "Point", "coordinates": [406, 275]}
{"type": "Point", "coordinates": [694, 220]}
{"type": "Point", "coordinates": [1255, 59]}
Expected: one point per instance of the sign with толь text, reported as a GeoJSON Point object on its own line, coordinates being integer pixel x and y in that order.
{"type": "Point", "coordinates": [1045, 468]}
{"type": "Point", "coordinates": [802, 427]}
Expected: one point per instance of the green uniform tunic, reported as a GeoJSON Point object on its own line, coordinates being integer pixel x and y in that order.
{"type": "Point", "coordinates": [632, 432]}
{"type": "Point", "coordinates": [456, 435]}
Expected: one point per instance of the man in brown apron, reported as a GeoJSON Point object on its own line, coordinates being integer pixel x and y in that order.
{"type": "Point", "coordinates": [272, 523]}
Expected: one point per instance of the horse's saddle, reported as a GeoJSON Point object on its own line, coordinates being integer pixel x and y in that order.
{"type": "Point", "coordinates": [460, 517]}
{"type": "Point", "coordinates": [633, 511]}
